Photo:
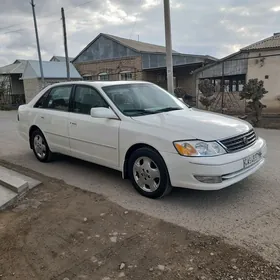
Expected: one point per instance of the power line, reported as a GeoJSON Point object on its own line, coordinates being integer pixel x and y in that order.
{"type": "Point", "coordinates": [25, 29]}
{"type": "Point", "coordinates": [43, 16]}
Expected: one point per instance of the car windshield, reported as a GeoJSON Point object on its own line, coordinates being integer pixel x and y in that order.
{"type": "Point", "coordinates": [142, 99]}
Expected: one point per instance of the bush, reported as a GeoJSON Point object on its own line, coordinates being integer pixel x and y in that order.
{"type": "Point", "coordinates": [207, 90]}
{"type": "Point", "coordinates": [254, 91]}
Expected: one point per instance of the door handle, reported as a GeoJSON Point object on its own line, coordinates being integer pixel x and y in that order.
{"type": "Point", "coordinates": [42, 117]}
{"type": "Point", "coordinates": [72, 123]}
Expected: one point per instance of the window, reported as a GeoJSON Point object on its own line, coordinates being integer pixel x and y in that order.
{"type": "Point", "coordinates": [103, 77]}
{"type": "Point", "coordinates": [88, 77]}
{"type": "Point", "coordinates": [86, 98]}
{"type": "Point", "coordinates": [126, 76]}
{"type": "Point", "coordinates": [40, 103]}
{"type": "Point", "coordinates": [234, 85]}
{"type": "Point", "coordinates": [241, 85]}
{"type": "Point", "coordinates": [141, 99]}
{"type": "Point", "coordinates": [231, 83]}
{"type": "Point", "coordinates": [58, 99]}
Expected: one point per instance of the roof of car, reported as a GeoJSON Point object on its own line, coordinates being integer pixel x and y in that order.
{"type": "Point", "coordinates": [101, 83]}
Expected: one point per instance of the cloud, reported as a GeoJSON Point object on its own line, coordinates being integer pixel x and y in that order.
{"type": "Point", "coordinates": [218, 30]}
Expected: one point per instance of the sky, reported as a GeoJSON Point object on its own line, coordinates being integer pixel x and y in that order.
{"type": "Point", "coordinates": [212, 27]}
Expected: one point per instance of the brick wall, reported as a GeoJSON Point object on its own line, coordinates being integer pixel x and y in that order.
{"type": "Point", "coordinates": [112, 67]}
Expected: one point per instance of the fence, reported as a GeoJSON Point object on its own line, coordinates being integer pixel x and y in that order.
{"type": "Point", "coordinates": [12, 100]}
{"type": "Point", "coordinates": [227, 103]}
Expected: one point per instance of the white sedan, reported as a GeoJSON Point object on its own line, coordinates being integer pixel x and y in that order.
{"type": "Point", "coordinates": [138, 128]}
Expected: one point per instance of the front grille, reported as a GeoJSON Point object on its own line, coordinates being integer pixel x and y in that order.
{"type": "Point", "coordinates": [237, 143]}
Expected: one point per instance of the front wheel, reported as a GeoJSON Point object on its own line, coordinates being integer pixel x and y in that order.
{"type": "Point", "coordinates": [148, 173]}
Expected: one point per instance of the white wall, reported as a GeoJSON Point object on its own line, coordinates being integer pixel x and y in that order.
{"type": "Point", "coordinates": [269, 67]}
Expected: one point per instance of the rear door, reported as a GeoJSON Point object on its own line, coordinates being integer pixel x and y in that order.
{"type": "Point", "coordinates": [92, 139]}
{"type": "Point", "coordinates": [52, 117]}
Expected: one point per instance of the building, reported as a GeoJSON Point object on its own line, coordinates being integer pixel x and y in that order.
{"type": "Point", "coordinates": [54, 72]}
{"type": "Point", "coordinates": [109, 57]}
{"type": "Point", "coordinates": [260, 60]}
{"type": "Point", "coordinates": [22, 79]}
{"type": "Point", "coordinates": [12, 87]}
{"type": "Point", "coordinates": [58, 58]}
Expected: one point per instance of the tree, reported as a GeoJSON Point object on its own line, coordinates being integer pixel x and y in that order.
{"type": "Point", "coordinates": [254, 91]}
{"type": "Point", "coordinates": [2, 90]}
{"type": "Point", "coordinates": [182, 93]}
{"type": "Point", "coordinates": [179, 92]}
{"type": "Point", "coordinates": [207, 90]}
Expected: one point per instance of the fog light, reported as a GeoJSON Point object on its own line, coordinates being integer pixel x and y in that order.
{"type": "Point", "coordinates": [209, 179]}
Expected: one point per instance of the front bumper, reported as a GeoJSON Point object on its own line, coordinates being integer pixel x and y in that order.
{"type": "Point", "coordinates": [229, 166]}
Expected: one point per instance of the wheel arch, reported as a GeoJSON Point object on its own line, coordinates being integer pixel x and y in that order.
{"type": "Point", "coordinates": [131, 150]}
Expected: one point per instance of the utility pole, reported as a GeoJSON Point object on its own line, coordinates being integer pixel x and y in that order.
{"type": "Point", "coordinates": [65, 44]}
{"type": "Point", "coordinates": [223, 85]}
{"type": "Point", "coordinates": [38, 44]}
{"type": "Point", "coordinates": [169, 58]}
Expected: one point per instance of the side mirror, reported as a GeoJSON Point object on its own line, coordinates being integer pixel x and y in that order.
{"type": "Point", "coordinates": [103, 113]}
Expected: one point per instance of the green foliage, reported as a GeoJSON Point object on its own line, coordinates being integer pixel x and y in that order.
{"type": "Point", "coordinates": [254, 91]}
{"type": "Point", "coordinates": [179, 92]}
{"type": "Point", "coordinates": [207, 90]}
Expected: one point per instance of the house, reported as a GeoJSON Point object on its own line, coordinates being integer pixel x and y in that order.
{"type": "Point", "coordinates": [60, 58]}
{"type": "Point", "coordinates": [54, 72]}
{"type": "Point", "coordinates": [109, 57]}
{"type": "Point", "coordinates": [10, 82]}
{"type": "Point", "coordinates": [22, 79]}
{"type": "Point", "coordinates": [260, 60]}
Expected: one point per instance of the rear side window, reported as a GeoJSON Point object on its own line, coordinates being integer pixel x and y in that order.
{"type": "Point", "coordinates": [40, 103]}
{"type": "Point", "coordinates": [58, 99]}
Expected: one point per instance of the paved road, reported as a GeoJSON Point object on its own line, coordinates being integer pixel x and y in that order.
{"type": "Point", "coordinates": [247, 213]}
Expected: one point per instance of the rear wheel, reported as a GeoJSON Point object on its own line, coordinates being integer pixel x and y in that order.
{"type": "Point", "coordinates": [40, 146]}
{"type": "Point", "coordinates": [148, 173]}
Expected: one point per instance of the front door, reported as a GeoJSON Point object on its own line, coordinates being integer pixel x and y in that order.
{"type": "Point", "coordinates": [92, 139]}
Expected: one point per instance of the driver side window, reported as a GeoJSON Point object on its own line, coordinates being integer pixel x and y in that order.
{"type": "Point", "coordinates": [86, 98]}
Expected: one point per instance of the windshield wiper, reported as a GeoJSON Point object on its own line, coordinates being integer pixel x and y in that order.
{"type": "Point", "coordinates": [167, 109]}
{"type": "Point", "coordinates": [150, 111]}
{"type": "Point", "coordinates": [139, 111]}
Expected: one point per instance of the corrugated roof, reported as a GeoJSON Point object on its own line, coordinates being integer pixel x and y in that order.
{"type": "Point", "coordinates": [61, 58]}
{"type": "Point", "coordinates": [138, 46]}
{"type": "Point", "coordinates": [272, 42]}
{"type": "Point", "coordinates": [51, 69]}
{"type": "Point", "coordinates": [16, 68]}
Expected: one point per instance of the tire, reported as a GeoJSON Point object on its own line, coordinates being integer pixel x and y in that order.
{"type": "Point", "coordinates": [144, 167]}
{"type": "Point", "coordinates": [44, 154]}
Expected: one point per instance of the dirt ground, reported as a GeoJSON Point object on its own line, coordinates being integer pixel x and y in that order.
{"type": "Point", "coordinates": [61, 232]}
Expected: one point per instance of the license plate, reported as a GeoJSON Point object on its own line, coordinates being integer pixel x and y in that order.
{"type": "Point", "coordinates": [251, 160]}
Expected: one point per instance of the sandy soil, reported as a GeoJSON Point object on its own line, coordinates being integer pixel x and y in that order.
{"type": "Point", "coordinates": [61, 232]}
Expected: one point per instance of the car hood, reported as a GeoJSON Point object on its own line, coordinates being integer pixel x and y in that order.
{"type": "Point", "coordinates": [195, 124]}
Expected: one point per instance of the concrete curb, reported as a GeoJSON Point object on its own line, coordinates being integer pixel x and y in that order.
{"type": "Point", "coordinates": [13, 186]}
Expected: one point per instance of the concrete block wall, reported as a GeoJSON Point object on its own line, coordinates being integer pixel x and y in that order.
{"type": "Point", "coordinates": [31, 88]}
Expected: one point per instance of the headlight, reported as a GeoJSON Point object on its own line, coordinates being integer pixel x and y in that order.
{"type": "Point", "coordinates": [196, 148]}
